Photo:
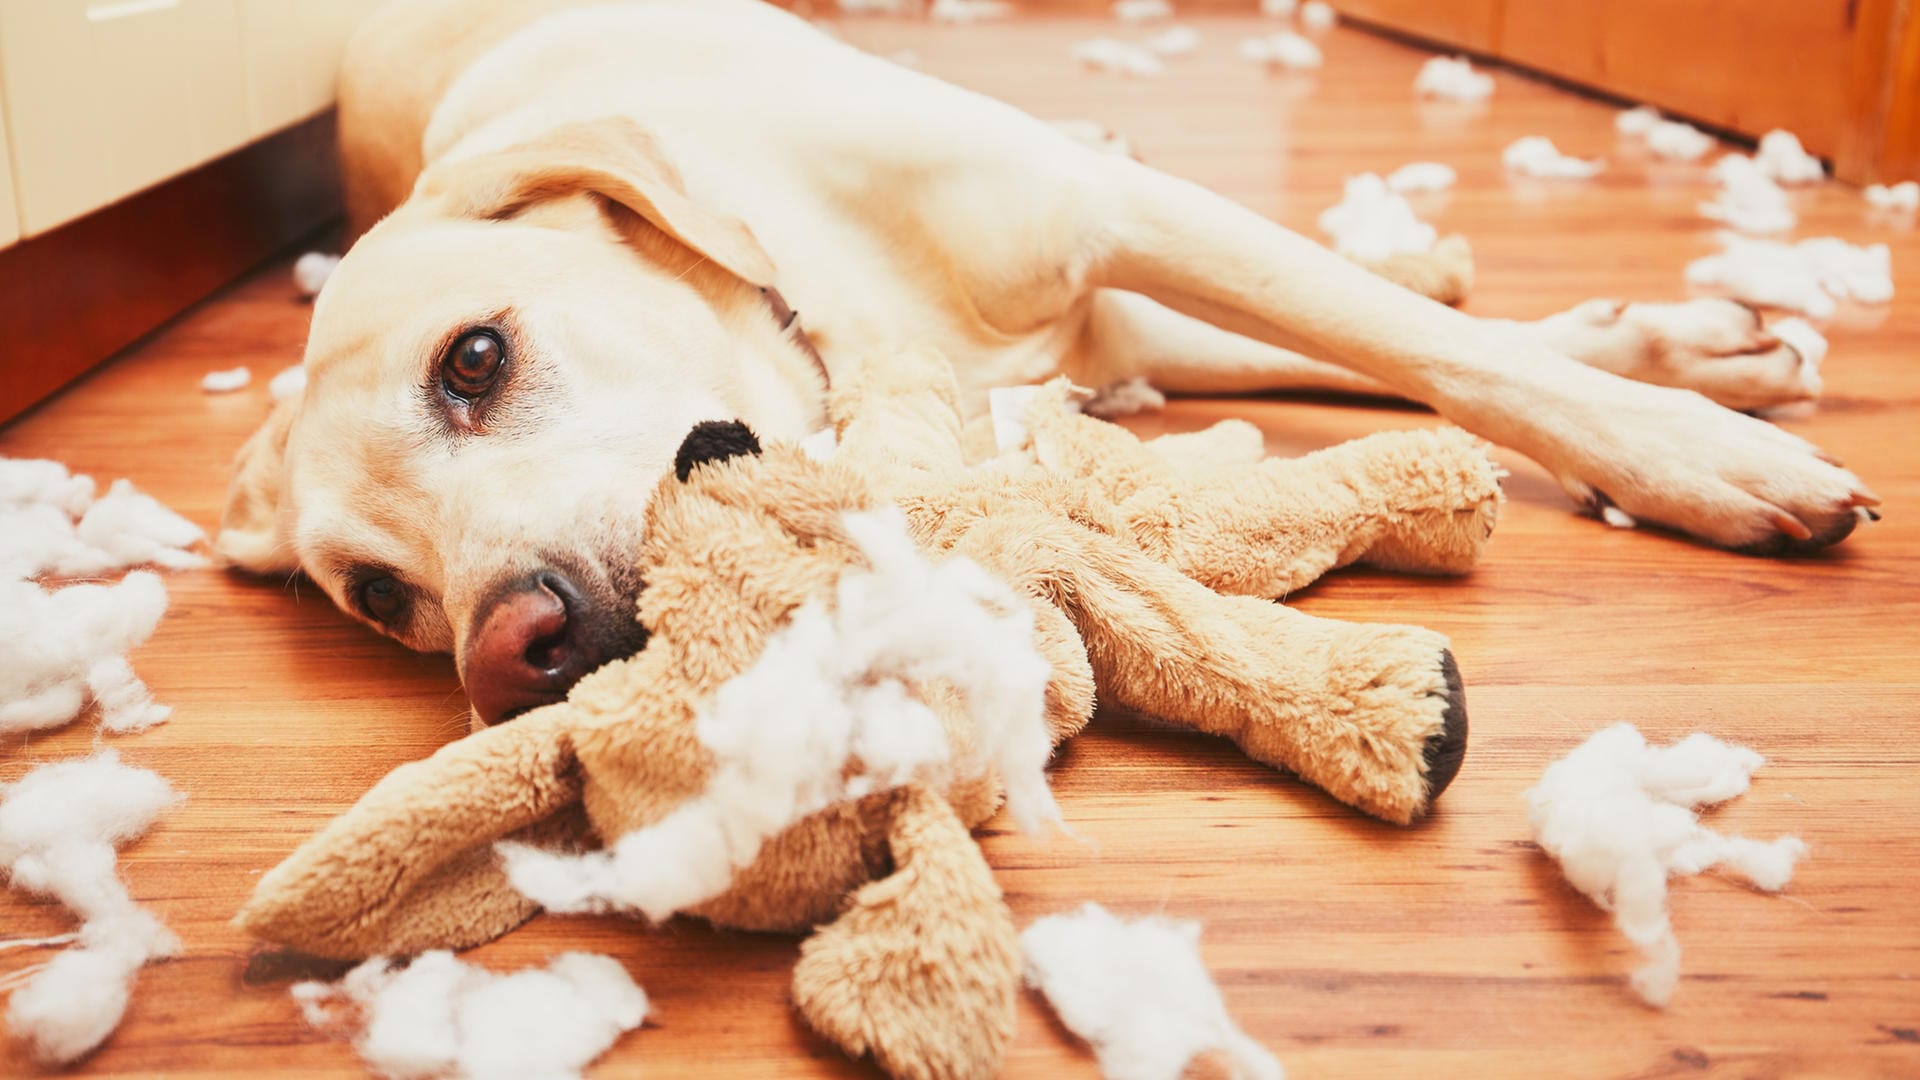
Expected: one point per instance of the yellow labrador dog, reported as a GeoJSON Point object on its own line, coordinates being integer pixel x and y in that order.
{"type": "Point", "coordinates": [587, 215]}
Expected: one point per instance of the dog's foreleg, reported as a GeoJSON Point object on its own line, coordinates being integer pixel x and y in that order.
{"type": "Point", "coordinates": [1660, 454]}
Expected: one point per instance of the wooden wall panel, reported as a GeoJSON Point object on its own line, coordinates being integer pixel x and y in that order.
{"type": "Point", "coordinates": [1469, 24]}
{"type": "Point", "coordinates": [1749, 65]}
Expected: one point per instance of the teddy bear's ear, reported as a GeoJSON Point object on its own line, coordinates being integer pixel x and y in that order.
{"type": "Point", "coordinates": [713, 440]}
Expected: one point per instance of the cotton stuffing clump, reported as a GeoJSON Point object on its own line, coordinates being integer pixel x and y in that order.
{"type": "Point", "coordinates": [440, 1019]}
{"type": "Point", "coordinates": [59, 826]}
{"type": "Point", "coordinates": [1618, 816]}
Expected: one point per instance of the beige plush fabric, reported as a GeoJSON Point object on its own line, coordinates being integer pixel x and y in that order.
{"type": "Point", "coordinates": [1149, 568]}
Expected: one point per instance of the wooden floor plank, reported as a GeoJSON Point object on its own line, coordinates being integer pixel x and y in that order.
{"type": "Point", "coordinates": [1351, 948]}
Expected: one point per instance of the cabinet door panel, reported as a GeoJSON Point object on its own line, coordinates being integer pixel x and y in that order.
{"type": "Point", "coordinates": [110, 96]}
{"type": "Point", "coordinates": [293, 56]}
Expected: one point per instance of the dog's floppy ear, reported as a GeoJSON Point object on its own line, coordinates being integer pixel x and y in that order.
{"type": "Point", "coordinates": [612, 157]}
{"type": "Point", "coordinates": [253, 527]}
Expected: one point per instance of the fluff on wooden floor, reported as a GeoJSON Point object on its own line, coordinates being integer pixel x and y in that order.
{"type": "Point", "coordinates": [1452, 78]}
{"type": "Point", "coordinates": [1138, 991]}
{"type": "Point", "coordinates": [1283, 49]}
{"type": "Point", "coordinates": [311, 271]}
{"type": "Point", "coordinates": [829, 691]}
{"type": "Point", "coordinates": [226, 381]}
{"type": "Point", "coordinates": [1372, 222]}
{"type": "Point", "coordinates": [1618, 815]}
{"type": "Point", "coordinates": [1749, 199]}
{"type": "Point", "coordinates": [443, 1019]}
{"type": "Point", "coordinates": [59, 826]}
{"type": "Point", "coordinates": [1535, 155]}
{"type": "Point", "coordinates": [1809, 277]}
{"type": "Point", "coordinates": [64, 647]}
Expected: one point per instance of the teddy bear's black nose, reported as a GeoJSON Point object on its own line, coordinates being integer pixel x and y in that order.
{"type": "Point", "coordinates": [713, 440]}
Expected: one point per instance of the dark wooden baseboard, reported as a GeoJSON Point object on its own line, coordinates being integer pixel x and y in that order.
{"type": "Point", "coordinates": [73, 297]}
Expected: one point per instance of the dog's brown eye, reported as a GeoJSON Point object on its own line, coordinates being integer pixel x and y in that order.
{"type": "Point", "coordinates": [472, 364]}
{"type": "Point", "coordinates": [383, 600]}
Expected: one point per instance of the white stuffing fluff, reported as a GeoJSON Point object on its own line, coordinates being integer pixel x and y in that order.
{"type": "Point", "coordinates": [1782, 159]}
{"type": "Point", "coordinates": [1618, 816]}
{"type": "Point", "coordinates": [831, 689]}
{"type": "Point", "coordinates": [25, 481]}
{"type": "Point", "coordinates": [1138, 11]}
{"type": "Point", "coordinates": [873, 7]}
{"type": "Point", "coordinates": [226, 382]}
{"type": "Point", "coordinates": [1617, 517]}
{"type": "Point", "coordinates": [1903, 197]}
{"type": "Point", "coordinates": [1665, 138]}
{"type": "Point", "coordinates": [311, 271]}
{"type": "Point", "coordinates": [1676, 141]}
{"type": "Point", "coordinates": [1749, 199]}
{"type": "Point", "coordinates": [1811, 344]}
{"type": "Point", "coordinates": [1636, 122]}
{"type": "Point", "coordinates": [1421, 176]}
{"type": "Point", "coordinates": [59, 826]}
{"type": "Point", "coordinates": [968, 11]}
{"type": "Point", "coordinates": [1535, 155]}
{"type": "Point", "coordinates": [290, 381]}
{"type": "Point", "coordinates": [1128, 397]}
{"type": "Point", "coordinates": [66, 647]}
{"type": "Point", "coordinates": [124, 528]}
{"type": "Point", "coordinates": [1175, 41]}
{"type": "Point", "coordinates": [1807, 277]}
{"type": "Point", "coordinates": [440, 1018]}
{"type": "Point", "coordinates": [1284, 49]}
{"type": "Point", "coordinates": [1318, 15]}
{"type": "Point", "coordinates": [1139, 993]}
{"type": "Point", "coordinates": [1278, 9]}
{"type": "Point", "coordinates": [1372, 222]}
{"type": "Point", "coordinates": [1116, 57]}
{"type": "Point", "coordinates": [1452, 78]}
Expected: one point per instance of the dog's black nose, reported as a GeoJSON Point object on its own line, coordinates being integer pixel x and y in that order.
{"type": "Point", "coordinates": [713, 440]}
{"type": "Point", "coordinates": [533, 639]}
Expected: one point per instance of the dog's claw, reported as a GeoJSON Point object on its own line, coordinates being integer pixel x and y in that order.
{"type": "Point", "coordinates": [1863, 498]}
{"type": "Point", "coordinates": [1791, 525]}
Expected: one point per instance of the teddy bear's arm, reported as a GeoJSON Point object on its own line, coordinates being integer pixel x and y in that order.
{"type": "Point", "coordinates": [1373, 714]}
{"type": "Point", "coordinates": [922, 968]}
{"type": "Point", "coordinates": [411, 865]}
{"type": "Point", "coordinates": [1414, 501]}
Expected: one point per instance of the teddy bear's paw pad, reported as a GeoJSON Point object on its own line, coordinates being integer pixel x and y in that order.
{"type": "Point", "coordinates": [1446, 749]}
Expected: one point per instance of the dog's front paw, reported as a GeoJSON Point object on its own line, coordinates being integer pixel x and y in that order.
{"type": "Point", "coordinates": [1628, 453]}
{"type": "Point", "coordinates": [1718, 348]}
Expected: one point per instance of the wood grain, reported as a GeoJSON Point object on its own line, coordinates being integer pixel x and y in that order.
{"type": "Point", "coordinates": [1352, 949]}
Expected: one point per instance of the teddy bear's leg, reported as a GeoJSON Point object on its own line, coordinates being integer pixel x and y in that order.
{"type": "Point", "coordinates": [922, 969]}
{"type": "Point", "coordinates": [1415, 501]}
{"type": "Point", "coordinates": [1373, 714]}
{"type": "Point", "coordinates": [1070, 689]}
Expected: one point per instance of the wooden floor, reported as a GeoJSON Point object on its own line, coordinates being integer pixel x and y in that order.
{"type": "Point", "coordinates": [1350, 948]}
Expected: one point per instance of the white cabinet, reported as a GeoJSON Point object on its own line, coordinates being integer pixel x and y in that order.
{"type": "Point", "coordinates": [103, 98]}
{"type": "Point", "coordinates": [106, 97]}
{"type": "Point", "coordinates": [9, 212]}
{"type": "Point", "coordinates": [292, 50]}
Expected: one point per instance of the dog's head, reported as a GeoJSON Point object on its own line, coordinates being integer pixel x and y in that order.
{"type": "Point", "coordinates": [497, 376]}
